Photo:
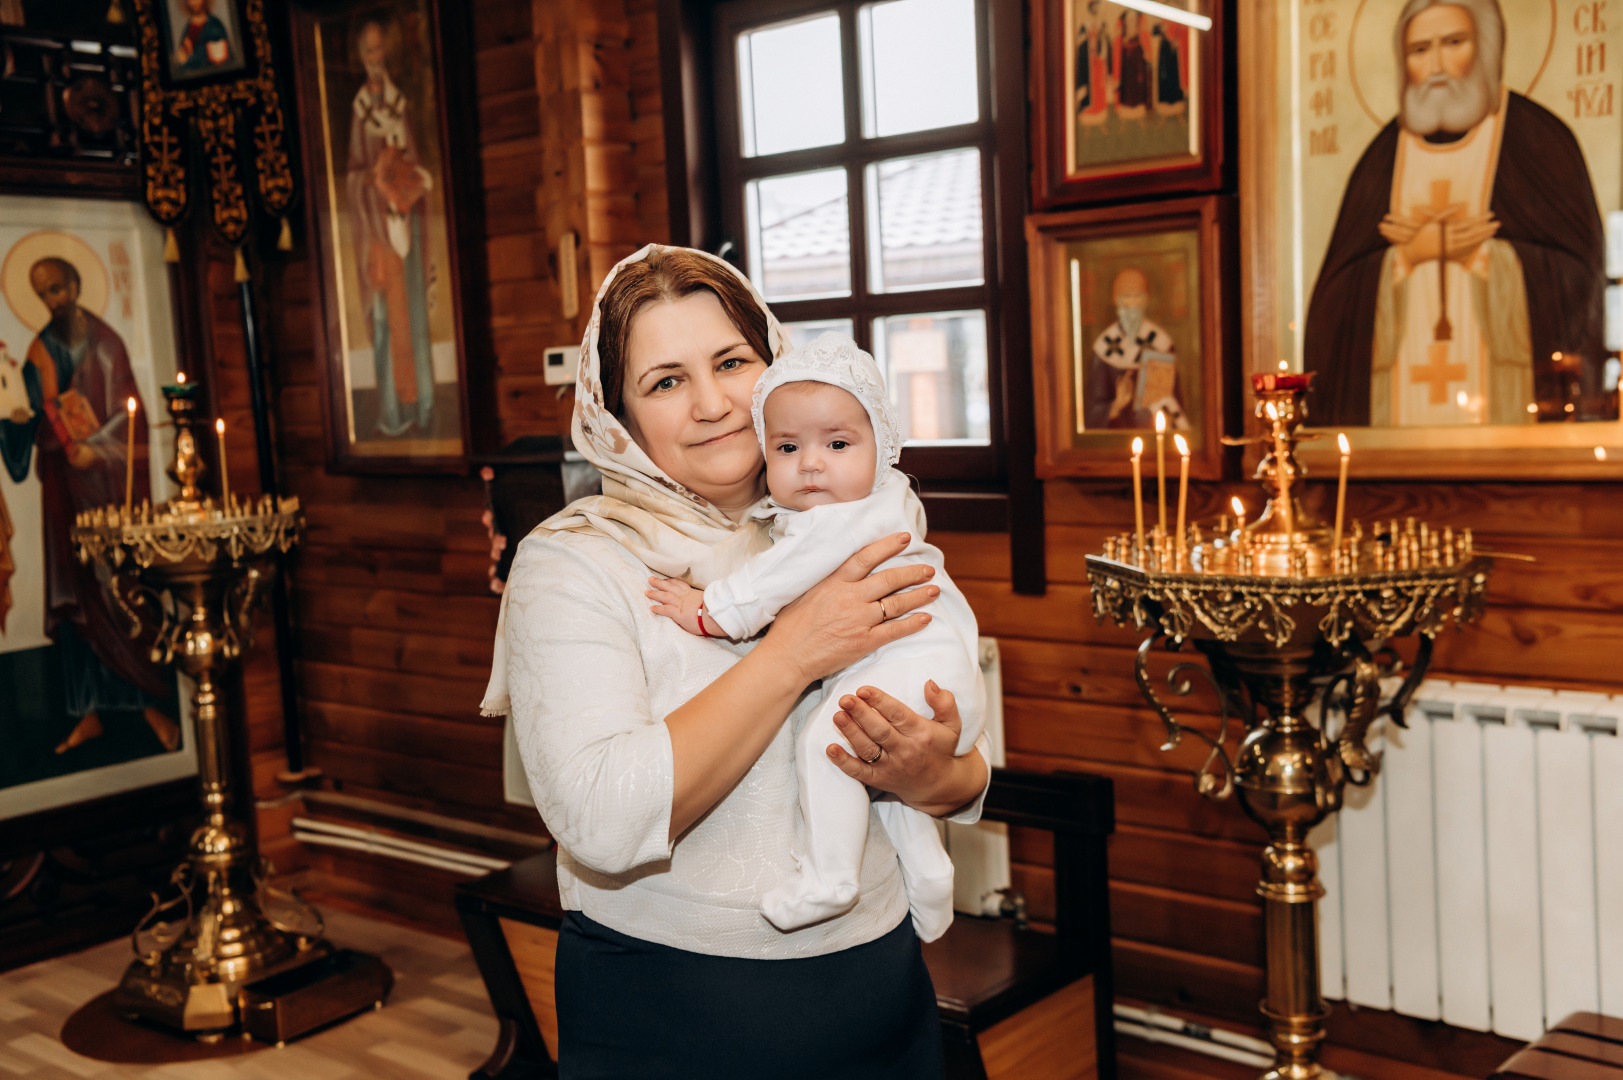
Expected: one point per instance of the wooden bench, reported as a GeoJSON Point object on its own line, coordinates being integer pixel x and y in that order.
{"type": "Point", "coordinates": [1584, 1046]}
{"type": "Point", "coordinates": [1014, 1002]}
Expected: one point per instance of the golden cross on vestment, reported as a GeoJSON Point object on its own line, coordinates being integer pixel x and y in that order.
{"type": "Point", "coordinates": [1437, 373]}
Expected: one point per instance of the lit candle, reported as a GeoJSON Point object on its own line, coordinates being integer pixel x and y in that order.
{"type": "Point", "coordinates": [225, 476]}
{"type": "Point", "coordinates": [180, 378]}
{"type": "Point", "coordinates": [1341, 489]}
{"type": "Point", "coordinates": [129, 457]}
{"type": "Point", "coordinates": [1161, 467]}
{"type": "Point", "coordinates": [1183, 484]}
{"type": "Point", "coordinates": [1138, 493]}
{"type": "Point", "coordinates": [1239, 518]}
{"type": "Point", "coordinates": [1284, 365]}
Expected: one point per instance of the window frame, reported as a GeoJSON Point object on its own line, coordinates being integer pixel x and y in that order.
{"type": "Point", "coordinates": [1012, 498]}
{"type": "Point", "coordinates": [932, 464]}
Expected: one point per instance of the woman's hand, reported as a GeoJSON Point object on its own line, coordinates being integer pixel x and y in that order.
{"type": "Point", "coordinates": [851, 612]}
{"type": "Point", "coordinates": [908, 755]}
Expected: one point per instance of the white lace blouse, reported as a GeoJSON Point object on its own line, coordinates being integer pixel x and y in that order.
{"type": "Point", "coordinates": [593, 673]}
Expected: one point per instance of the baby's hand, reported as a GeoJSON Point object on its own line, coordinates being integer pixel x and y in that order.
{"type": "Point", "coordinates": [679, 602]}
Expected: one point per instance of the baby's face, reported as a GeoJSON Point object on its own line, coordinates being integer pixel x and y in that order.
{"type": "Point", "coordinates": [819, 445]}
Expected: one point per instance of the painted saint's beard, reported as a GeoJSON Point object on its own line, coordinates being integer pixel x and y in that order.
{"type": "Point", "coordinates": [1444, 103]}
{"type": "Point", "coordinates": [1130, 318]}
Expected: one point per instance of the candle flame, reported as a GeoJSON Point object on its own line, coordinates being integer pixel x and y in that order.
{"type": "Point", "coordinates": [1239, 507]}
{"type": "Point", "coordinates": [219, 427]}
{"type": "Point", "coordinates": [129, 406]}
{"type": "Point", "coordinates": [1346, 447]}
{"type": "Point", "coordinates": [1284, 365]}
{"type": "Point", "coordinates": [180, 378]}
{"type": "Point", "coordinates": [1160, 421]}
{"type": "Point", "coordinates": [1273, 414]}
{"type": "Point", "coordinates": [1600, 453]}
{"type": "Point", "coordinates": [1138, 447]}
{"type": "Point", "coordinates": [1183, 447]}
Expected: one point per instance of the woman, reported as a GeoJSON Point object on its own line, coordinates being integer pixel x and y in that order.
{"type": "Point", "coordinates": [662, 763]}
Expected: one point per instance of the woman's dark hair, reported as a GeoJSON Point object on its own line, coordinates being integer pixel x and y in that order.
{"type": "Point", "coordinates": [669, 273]}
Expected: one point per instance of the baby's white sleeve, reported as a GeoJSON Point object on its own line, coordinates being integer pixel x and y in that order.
{"type": "Point", "coordinates": [812, 547]}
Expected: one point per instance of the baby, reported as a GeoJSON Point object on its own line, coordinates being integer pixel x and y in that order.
{"type": "Point", "coordinates": [831, 439]}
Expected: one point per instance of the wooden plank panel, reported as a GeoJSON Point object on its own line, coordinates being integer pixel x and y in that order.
{"type": "Point", "coordinates": [1223, 989]}
{"type": "Point", "coordinates": [1064, 613]}
{"type": "Point", "coordinates": [422, 695]}
{"type": "Point", "coordinates": [1052, 1039]}
{"type": "Point", "coordinates": [535, 954]}
{"type": "Point", "coordinates": [1226, 929]}
{"type": "Point", "coordinates": [1097, 674]}
{"type": "Point", "coordinates": [477, 745]}
{"type": "Point", "coordinates": [1103, 733]}
{"type": "Point", "coordinates": [1157, 799]}
{"type": "Point", "coordinates": [406, 569]}
{"type": "Point", "coordinates": [983, 556]}
{"type": "Point", "coordinates": [1534, 645]}
{"type": "Point", "coordinates": [447, 783]}
{"type": "Point", "coordinates": [395, 609]}
{"type": "Point", "coordinates": [402, 525]}
{"type": "Point", "coordinates": [1227, 869]}
{"type": "Point", "coordinates": [390, 650]}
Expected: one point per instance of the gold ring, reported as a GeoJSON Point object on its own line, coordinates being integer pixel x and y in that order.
{"type": "Point", "coordinates": [884, 615]}
{"type": "Point", "coordinates": [879, 752]}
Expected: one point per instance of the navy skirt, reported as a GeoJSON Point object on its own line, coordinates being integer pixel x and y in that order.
{"type": "Point", "coordinates": [632, 1010]}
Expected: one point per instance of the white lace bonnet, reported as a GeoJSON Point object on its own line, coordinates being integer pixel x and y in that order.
{"type": "Point", "coordinates": [835, 359]}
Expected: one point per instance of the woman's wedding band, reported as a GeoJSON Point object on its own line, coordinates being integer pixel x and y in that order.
{"type": "Point", "coordinates": [879, 752]}
{"type": "Point", "coordinates": [883, 614]}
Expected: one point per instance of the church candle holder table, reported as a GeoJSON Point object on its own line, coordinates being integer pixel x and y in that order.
{"type": "Point", "coordinates": [195, 571]}
{"type": "Point", "coordinates": [1279, 611]}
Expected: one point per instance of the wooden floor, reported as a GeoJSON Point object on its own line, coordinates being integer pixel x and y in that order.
{"type": "Point", "coordinates": [437, 1024]}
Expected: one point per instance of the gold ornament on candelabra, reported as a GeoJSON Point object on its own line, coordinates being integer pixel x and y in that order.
{"type": "Point", "coordinates": [191, 573]}
{"type": "Point", "coordinates": [1285, 609]}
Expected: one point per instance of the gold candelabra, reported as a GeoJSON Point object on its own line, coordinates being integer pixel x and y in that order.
{"type": "Point", "coordinates": [1285, 609]}
{"type": "Point", "coordinates": [192, 572]}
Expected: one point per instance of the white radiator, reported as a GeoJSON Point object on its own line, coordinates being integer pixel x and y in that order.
{"type": "Point", "coordinates": [1479, 879]}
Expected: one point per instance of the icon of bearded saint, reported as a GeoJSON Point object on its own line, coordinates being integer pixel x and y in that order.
{"type": "Point", "coordinates": [1134, 373]}
{"type": "Point", "coordinates": [1490, 185]}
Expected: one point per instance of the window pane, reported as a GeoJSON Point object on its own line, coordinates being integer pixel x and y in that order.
{"type": "Point", "coordinates": [799, 235]}
{"type": "Point", "coordinates": [790, 91]}
{"type": "Point", "coordinates": [918, 65]}
{"type": "Point", "coordinates": [924, 221]}
{"type": "Point", "coordinates": [935, 366]}
{"type": "Point", "coordinates": [801, 334]}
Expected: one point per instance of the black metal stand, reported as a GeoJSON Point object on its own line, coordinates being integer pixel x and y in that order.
{"type": "Point", "coordinates": [281, 606]}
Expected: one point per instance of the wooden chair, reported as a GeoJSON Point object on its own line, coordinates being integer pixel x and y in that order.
{"type": "Point", "coordinates": [1014, 1002]}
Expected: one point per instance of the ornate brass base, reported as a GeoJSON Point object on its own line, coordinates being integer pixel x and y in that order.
{"type": "Point", "coordinates": [190, 979]}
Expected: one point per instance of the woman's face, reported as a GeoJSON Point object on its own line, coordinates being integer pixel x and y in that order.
{"type": "Point", "coordinates": [689, 378]}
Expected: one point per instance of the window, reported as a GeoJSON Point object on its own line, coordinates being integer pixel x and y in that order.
{"type": "Point", "coordinates": [856, 158]}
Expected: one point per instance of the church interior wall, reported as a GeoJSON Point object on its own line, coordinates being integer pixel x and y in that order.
{"type": "Point", "coordinates": [394, 616]}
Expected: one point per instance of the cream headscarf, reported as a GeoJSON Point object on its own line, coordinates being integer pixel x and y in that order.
{"type": "Point", "coordinates": [672, 531]}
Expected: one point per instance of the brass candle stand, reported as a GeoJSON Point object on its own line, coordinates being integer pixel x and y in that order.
{"type": "Point", "coordinates": [1281, 613]}
{"type": "Point", "coordinates": [194, 571]}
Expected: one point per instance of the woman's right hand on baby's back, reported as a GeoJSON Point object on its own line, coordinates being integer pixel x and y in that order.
{"type": "Point", "coordinates": [852, 612]}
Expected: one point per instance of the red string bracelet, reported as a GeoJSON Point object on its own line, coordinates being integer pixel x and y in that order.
{"type": "Point", "coordinates": [702, 631]}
